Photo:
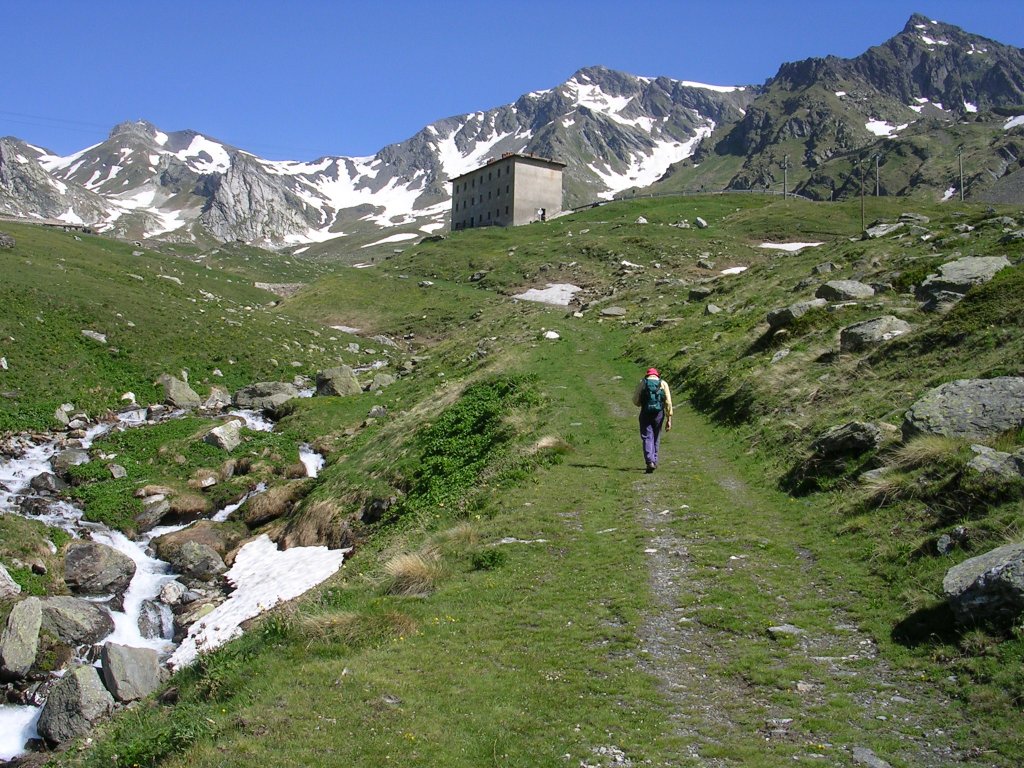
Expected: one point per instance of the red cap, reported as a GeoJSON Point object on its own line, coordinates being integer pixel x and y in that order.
{"type": "Point", "coordinates": [652, 372]}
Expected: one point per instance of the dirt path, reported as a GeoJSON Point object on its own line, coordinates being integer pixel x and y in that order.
{"type": "Point", "coordinates": [802, 686]}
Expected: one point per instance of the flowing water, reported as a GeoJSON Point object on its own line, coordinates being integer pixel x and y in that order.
{"type": "Point", "coordinates": [262, 576]}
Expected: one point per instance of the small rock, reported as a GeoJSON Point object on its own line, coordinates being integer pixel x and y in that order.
{"type": "Point", "coordinates": [95, 336]}
{"type": "Point", "coordinates": [785, 630]}
{"type": "Point", "coordinates": [700, 223]}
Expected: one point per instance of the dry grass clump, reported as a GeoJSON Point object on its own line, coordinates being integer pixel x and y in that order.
{"type": "Point", "coordinates": [411, 574]}
{"type": "Point", "coordinates": [320, 523]}
{"type": "Point", "coordinates": [353, 628]}
{"type": "Point", "coordinates": [189, 506]}
{"type": "Point", "coordinates": [926, 450]}
{"type": "Point", "coordinates": [457, 540]}
{"type": "Point", "coordinates": [549, 444]}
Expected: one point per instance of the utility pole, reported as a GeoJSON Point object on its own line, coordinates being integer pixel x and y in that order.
{"type": "Point", "coordinates": [785, 177]}
{"type": "Point", "coordinates": [960, 160]}
{"type": "Point", "coordinates": [877, 186]}
{"type": "Point", "coordinates": [860, 170]}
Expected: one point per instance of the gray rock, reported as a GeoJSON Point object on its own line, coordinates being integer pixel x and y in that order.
{"type": "Point", "coordinates": [377, 412]}
{"type": "Point", "coordinates": [958, 277]}
{"type": "Point", "coordinates": [74, 705]}
{"type": "Point", "coordinates": [265, 395]}
{"type": "Point", "coordinates": [151, 620]}
{"type": "Point", "coordinates": [969, 408]}
{"type": "Point", "coordinates": [9, 588]}
{"type": "Point", "coordinates": [705, 263]}
{"type": "Point", "coordinates": [20, 639]}
{"type": "Point", "coordinates": [712, 309]}
{"type": "Point", "coordinates": [613, 312]}
{"type": "Point", "coordinates": [177, 393]}
{"type": "Point", "coordinates": [75, 621]}
{"type": "Point", "coordinates": [850, 439]}
{"type": "Point", "coordinates": [94, 569]}
{"type": "Point", "coordinates": [6, 241]}
{"type": "Point", "coordinates": [987, 460]}
{"type": "Point", "coordinates": [914, 218]}
{"type": "Point", "coordinates": [641, 220]}
{"type": "Point", "coordinates": [989, 586]}
{"type": "Point", "coordinates": [825, 268]}
{"type": "Point", "coordinates": [700, 223]}
{"type": "Point", "coordinates": [382, 380]}
{"type": "Point", "coordinates": [47, 482]}
{"type": "Point", "coordinates": [871, 333]}
{"type": "Point", "coordinates": [117, 471]}
{"type": "Point", "coordinates": [864, 756]}
{"type": "Point", "coordinates": [337, 382]}
{"type": "Point", "coordinates": [95, 336]}
{"type": "Point", "coordinates": [197, 562]}
{"type": "Point", "coordinates": [130, 673]}
{"type": "Point", "coordinates": [173, 592]}
{"type": "Point", "coordinates": [153, 510]}
{"type": "Point", "coordinates": [844, 290]}
{"type": "Point", "coordinates": [64, 460]}
{"type": "Point", "coordinates": [785, 630]}
{"type": "Point", "coordinates": [784, 316]}
{"type": "Point", "coordinates": [882, 230]}
{"type": "Point", "coordinates": [699, 293]}
{"type": "Point", "coordinates": [227, 436]}
{"type": "Point", "coordinates": [218, 399]}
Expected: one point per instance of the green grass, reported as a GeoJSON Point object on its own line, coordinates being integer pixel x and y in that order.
{"type": "Point", "coordinates": [525, 655]}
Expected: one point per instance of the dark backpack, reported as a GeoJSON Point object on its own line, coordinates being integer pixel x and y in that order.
{"type": "Point", "coordinates": [653, 397]}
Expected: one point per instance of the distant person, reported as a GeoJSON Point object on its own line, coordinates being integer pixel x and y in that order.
{"type": "Point", "coordinates": [654, 399]}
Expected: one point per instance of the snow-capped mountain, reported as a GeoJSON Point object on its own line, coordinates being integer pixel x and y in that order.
{"type": "Point", "coordinates": [615, 131]}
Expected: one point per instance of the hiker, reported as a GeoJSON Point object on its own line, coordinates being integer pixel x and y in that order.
{"type": "Point", "coordinates": [654, 399]}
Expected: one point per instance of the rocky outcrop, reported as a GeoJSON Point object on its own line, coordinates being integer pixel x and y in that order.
{"type": "Point", "coordinates": [74, 705]}
{"type": "Point", "coordinates": [196, 562]}
{"type": "Point", "coordinates": [178, 394]}
{"type": "Point", "coordinates": [968, 408]}
{"type": "Point", "coordinates": [130, 673]}
{"type": "Point", "coordinates": [265, 395]}
{"type": "Point", "coordinates": [227, 436]}
{"type": "Point", "coordinates": [19, 642]}
{"type": "Point", "coordinates": [74, 621]}
{"type": "Point", "coordinates": [9, 588]}
{"type": "Point", "coordinates": [844, 290]}
{"type": "Point", "coordinates": [871, 333]}
{"type": "Point", "coordinates": [989, 587]}
{"type": "Point", "coordinates": [784, 316]}
{"type": "Point", "coordinates": [340, 381]}
{"type": "Point", "coordinates": [988, 461]}
{"type": "Point", "coordinates": [845, 440]}
{"type": "Point", "coordinates": [955, 278]}
{"type": "Point", "coordinates": [94, 569]}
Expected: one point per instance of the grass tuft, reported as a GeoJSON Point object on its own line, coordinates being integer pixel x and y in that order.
{"type": "Point", "coordinates": [411, 574]}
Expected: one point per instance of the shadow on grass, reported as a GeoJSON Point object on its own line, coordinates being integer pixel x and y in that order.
{"type": "Point", "coordinates": [928, 625]}
{"type": "Point", "coordinates": [580, 465]}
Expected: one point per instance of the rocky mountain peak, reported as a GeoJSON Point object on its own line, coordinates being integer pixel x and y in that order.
{"type": "Point", "coordinates": [140, 128]}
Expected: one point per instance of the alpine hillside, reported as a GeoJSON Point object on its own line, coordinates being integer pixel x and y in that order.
{"type": "Point", "coordinates": [613, 129]}
{"type": "Point", "coordinates": [910, 102]}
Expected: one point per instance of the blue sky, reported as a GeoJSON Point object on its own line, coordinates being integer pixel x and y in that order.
{"type": "Point", "coordinates": [306, 78]}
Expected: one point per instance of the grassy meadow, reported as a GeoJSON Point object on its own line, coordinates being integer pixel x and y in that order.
{"type": "Point", "coordinates": [517, 577]}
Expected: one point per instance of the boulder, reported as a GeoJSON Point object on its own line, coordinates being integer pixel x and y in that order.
{"type": "Point", "coordinates": [227, 436]}
{"type": "Point", "coordinates": [844, 290]}
{"type": "Point", "coordinates": [74, 705]}
{"type": "Point", "coordinates": [784, 316]}
{"type": "Point", "coordinates": [969, 408]}
{"type": "Point", "coordinates": [990, 461]}
{"type": "Point", "coordinates": [65, 460]}
{"type": "Point", "coordinates": [218, 399]}
{"type": "Point", "coordinates": [712, 309]}
{"type": "Point", "coordinates": [382, 380]}
{"type": "Point", "coordinates": [47, 482]}
{"type": "Point", "coordinates": [955, 278]}
{"type": "Point", "coordinates": [989, 587]}
{"type": "Point", "coordinates": [94, 569]}
{"type": "Point", "coordinates": [914, 218]}
{"type": "Point", "coordinates": [825, 268]}
{"type": "Point", "coordinates": [130, 673]}
{"type": "Point", "coordinates": [340, 382]}
{"type": "Point", "coordinates": [197, 562]}
{"type": "Point", "coordinates": [151, 620]}
{"type": "Point", "coordinates": [6, 241]}
{"type": "Point", "coordinates": [153, 510]}
{"type": "Point", "coordinates": [613, 312]}
{"type": "Point", "coordinates": [74, 621]}
{"type": "Point", "coordinates": [882, 230]}
{"type": "Point", "coordinates": [9, 588]}
{"type": "Point", "coordinates": [265, 395]}
{"type": "Point", "coordinates": [20, 639]}
{"type": "Point", "coordinates": [699, 293]}
{"type": "Point", "coordinates": [177, 393]}
{"type": "Point", "coordinates": [173, 593]}
{"type": "Point", "coordinates": [850, 439]}
{"type": "Point", "coordinates": [871, 333]}
{"type": "Point", "coordinates": [700, 223]}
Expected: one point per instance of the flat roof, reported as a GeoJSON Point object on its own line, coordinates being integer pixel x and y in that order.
{"type": "Point", "coordinates": [512, 155]}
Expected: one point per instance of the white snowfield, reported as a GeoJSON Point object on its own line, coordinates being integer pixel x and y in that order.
{"type": "Point", "coordinates": [792, 247]}
{"type": "Point", "coordinates": [263, 576]}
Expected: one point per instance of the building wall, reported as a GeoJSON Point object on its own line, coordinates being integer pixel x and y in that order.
{"type": "Point", "coordinates": [506, 193]}
{"type": "Point", "coordinates": [537, 187]}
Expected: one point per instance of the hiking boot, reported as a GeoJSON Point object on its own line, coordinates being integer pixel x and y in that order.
{"type": "Point", "coordinates": [650, 467]}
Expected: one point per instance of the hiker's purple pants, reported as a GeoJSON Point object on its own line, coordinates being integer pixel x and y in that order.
{"type": "Point", "coordinates": [650, 434]}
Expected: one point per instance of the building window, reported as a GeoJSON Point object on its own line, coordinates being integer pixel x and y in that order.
{"type": "Point", "coordinates": [488, 175]}
{"type": "Point", "coordinates": [507, 188]}
{"type": "Point", "coordinates": [499, 173]}
{"type": "Point", "coordinates": [506, 210]}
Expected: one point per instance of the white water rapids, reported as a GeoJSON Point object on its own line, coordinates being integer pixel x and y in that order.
{"type": "Point", "coordinates": [262, 576]}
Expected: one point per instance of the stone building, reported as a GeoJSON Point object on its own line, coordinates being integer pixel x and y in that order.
{"type": "Point", "coordinates": [514, 189]}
